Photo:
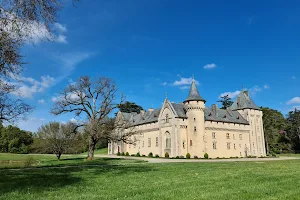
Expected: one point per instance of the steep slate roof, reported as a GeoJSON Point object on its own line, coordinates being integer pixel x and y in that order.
{"type": "Point", "coordinates": [138, 119]}
{"type": "Point", "coordinates": [194, 93]}
{"type": "Point", "coordinates": [221, 115]}
{"type": "Point", "coordinates": [243, 101]}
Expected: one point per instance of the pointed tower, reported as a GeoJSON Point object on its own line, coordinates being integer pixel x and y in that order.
{"type": "Point", "coordinates": [195, 106]}
{"type": "Point", "coordinates": [252, 113]}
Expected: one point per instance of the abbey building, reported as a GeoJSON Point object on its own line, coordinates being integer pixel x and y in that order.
{"type": "Point", "coordinates": [191, 127]}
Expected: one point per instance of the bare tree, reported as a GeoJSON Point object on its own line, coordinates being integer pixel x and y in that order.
{"type": "Point", "coordinates": [12, 110]}
{"type": "Point", "coordinates": [93, 99]}
{"type": "Point", "coordinates": [20, 21]}
{"type": "Point", "coordinates": [57, 137]}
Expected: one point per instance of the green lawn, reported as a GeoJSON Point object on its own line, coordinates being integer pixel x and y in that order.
{"type": "Point", "coordinates": [98, 151]}
{"type": "Point", "coordinates": [76, 178]}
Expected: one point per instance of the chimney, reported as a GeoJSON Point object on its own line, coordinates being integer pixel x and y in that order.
{"type": "Point", "coordinates": [214, 108]}
{"type": "Point", "coordinates": [150, 110]}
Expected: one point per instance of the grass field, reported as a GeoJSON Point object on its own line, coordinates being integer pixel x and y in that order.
{"type": "Point", "coordinates": [76, 178]}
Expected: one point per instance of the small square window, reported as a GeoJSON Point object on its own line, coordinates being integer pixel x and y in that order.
{"type": "Point", "coordinates": [195, 128]}
{"type": "Point", "coordinates": [227, 135]}
{"type": "Point", "coordinates": [228, 145]}
{"type": "Point", "coordinates": [213, 135]}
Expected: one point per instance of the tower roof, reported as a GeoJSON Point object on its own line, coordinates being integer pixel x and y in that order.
{"type": "Point", "coordinates": [243, 101]}
{"type": "Point", "coordinates": [194, 93]}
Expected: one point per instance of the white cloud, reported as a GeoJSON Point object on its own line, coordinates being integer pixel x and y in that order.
{"type": "Point", "coordinates": [69, 96]}
{"type": "Point", "coordinates": [210, 66]}
{"type": "Point", "coordinates": [164, 84]}
{"type": "Point", "coordinates": [184, 81]}
{"type": "Point", "coordinates": [184, 87]}
{"type": "Point", "coordinates": [31, 124]}
{"type": "Point", "coordinates": [41, 101]}
{"type": "Point", "coordinates": [31, 31]}
{"type": "Point", "coordinates": [252, 90]}
{"type": "Point", "coordinates": [295, 100]}
{"type": "Point", "coordinates": [73, 120]}
{"type": "Point", "coordinates": [29, 86]}
{"type": "Point", "coordinates": [60, 27]}
{"type": "Point", "coordinates": [231, 94]}
{"type": "Point", "coordinates": [294, 77]}
{"type": "Point", "coordinates": [61, 39]}
{"type": "Point", "coordinates": [70, 60]}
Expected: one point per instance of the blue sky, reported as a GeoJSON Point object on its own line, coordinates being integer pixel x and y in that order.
{"type": "Point", "coordinates": [153, 47]}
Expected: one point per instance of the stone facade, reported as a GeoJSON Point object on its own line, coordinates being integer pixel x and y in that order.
{"type": "Point", "coordinates": [190, 127]}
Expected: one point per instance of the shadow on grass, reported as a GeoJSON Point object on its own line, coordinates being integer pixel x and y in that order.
{"type": "Point", "coordinates": [46, 178]}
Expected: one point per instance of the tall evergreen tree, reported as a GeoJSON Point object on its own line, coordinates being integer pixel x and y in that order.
{"type": "Point", "coordinates": [225, 101]}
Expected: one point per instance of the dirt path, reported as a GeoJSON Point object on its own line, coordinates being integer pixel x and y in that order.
{"type": "Point", "coordinates": [163, 160]}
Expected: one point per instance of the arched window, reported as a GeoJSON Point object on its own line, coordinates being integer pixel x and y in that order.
{"type": "Point", "coordinates": [168, 140]}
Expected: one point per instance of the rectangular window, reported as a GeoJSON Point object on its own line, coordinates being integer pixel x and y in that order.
{"type": "Point", "coordinates": [233, 136]}
{"type": "Point", "coordinates": [234, 146]}
{"type": "Point", "coordinates": [241, 136]}
{"type": "Point", "coordinates": [195, 128]}
{"type": "Point", "coordinates": [156, 142]}
{"type": "Point", "coordinates": [214, 135]}
{"type": "Point", "coordinates": [214, 145]}
{"type": "Point", "coordinates": [143, 144]}
{"type": "Point", "coordinates": [228, 145]}
{"type": "Point", "coordinates": [149, 142]}
{"type": "Point", "coordinates": [240, 146]}
{"type": "Point", "coordinates": [191, 143]}
{"type": "Point", "coordinates": [227, 135]}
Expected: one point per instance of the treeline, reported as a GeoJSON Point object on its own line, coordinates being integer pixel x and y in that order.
{"type": "Point", "coordinates": [282, 134]}
{"type": "Point", "coordinates": [15, 140]}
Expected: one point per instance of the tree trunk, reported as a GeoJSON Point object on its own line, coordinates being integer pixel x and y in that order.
{"type": "Point", "coordinates": [58, 156]}
{"type": "Point", "coordinates": [92, 147]}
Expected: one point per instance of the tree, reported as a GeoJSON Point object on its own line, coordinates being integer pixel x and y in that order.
{"type": "Point", "coordinates": [293, 129]}
{"type": "Point", "coordinates": [274, 130]}
{"type": "Point", "coordinates": [94, 100]}
{"type": "Point", "coordinates": [129, 107]}
{"type": "Point", "coordinates": [12, 110]}
{"type": "Point", "coordinates": [57, 137]}
{"type": "Point", "coordinates": [226, 101]}
{"type": "Point", "coordinates": [14, 140]}
{"type": "Point", "coordinates": [20, 21]}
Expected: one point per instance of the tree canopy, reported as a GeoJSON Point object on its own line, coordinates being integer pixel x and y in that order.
{"type": "Point", "coordinates": [129, 107]}
{"type": "Point", "coordinates": [225, 101]}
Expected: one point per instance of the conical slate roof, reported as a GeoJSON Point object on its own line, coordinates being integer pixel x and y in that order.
{"type": "Point", "coordinates": [194, 93]}
{"type": "Point", "coordinates": [243, 101]}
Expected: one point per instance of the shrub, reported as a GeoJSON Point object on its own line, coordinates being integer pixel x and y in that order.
{"type": "Point", "coordinates": [127, 154]}
{"type": "Point", "coordinates": [123, 154]}
{"type": "Point", "coordinates": [217, 158]}
{"type": "Point", "coordinates": [177, 157]}
{"type": "Point", "coordinates": [29, 161]}
{"type": "Point", "coordinates": [150, 155]}
{"type": "Point", "coordinates": [132, 155]}
{"type": "Point", "coordinates": [195, 157]}
{"type": "Point", "coordinates": [181, 157]}
{"type": "Point", "coordinates": [206, 155]}
{"type": "Point", "coordinates": [138, 154]}
{"type": "Point", "coordinates": [144, 155]}
{"type": "Point", "coordinates": [156, 156]}
{"type": "Point", "coordinates": [118, 154]}
{"type": "Point", "coordinates": [273, 154]}
{"type": "Point", "coordinates": [188, 156]}
{"type": "Point", "coordinates": [167, 155]}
